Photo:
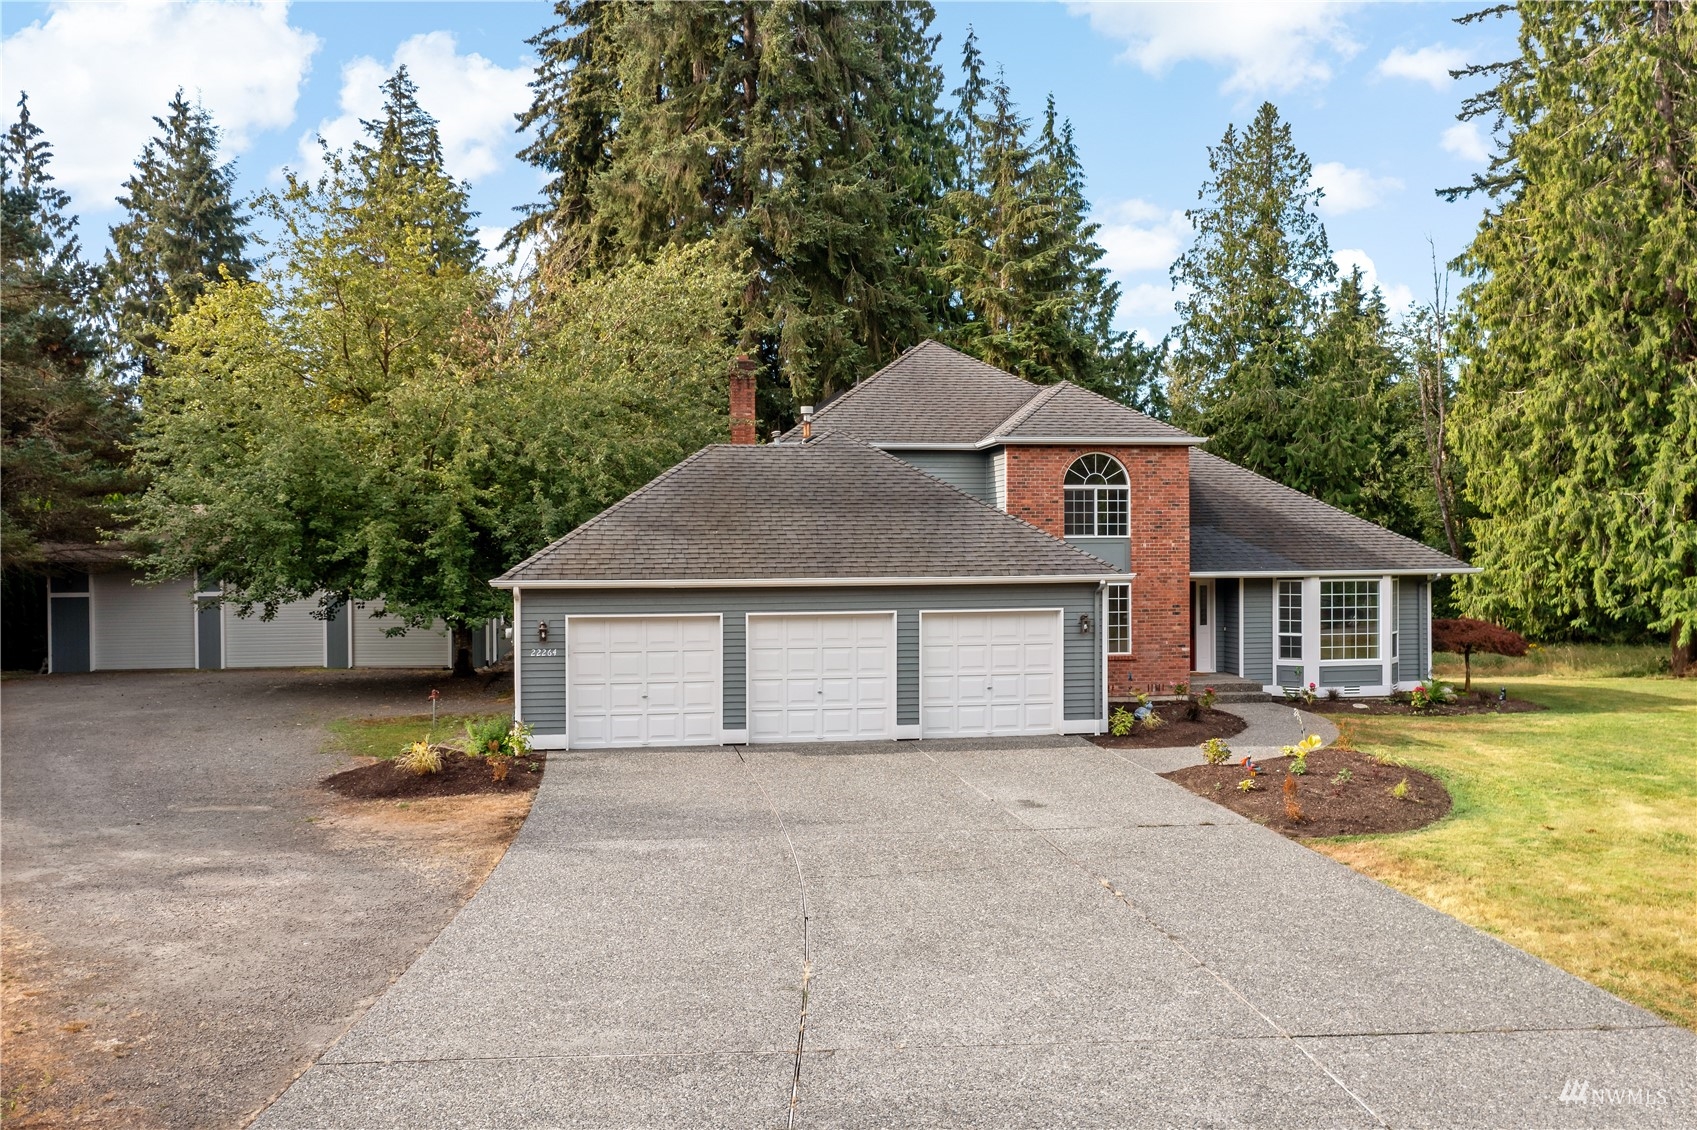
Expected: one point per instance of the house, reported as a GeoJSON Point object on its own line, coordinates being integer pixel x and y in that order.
{"type": "Point", "coordinates": [948, 550]}
{"type": "Point", "coordinates": [104, 615]}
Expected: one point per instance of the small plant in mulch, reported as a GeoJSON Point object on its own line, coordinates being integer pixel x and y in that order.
{"type": "Point", "coordinates": [1293, 809]}
{"type": "Point", "coordinates": [419, 758]}
{"type": "Point", "coordinates": [1154, 721]}
{"type": "Point", "coordinates": [1208, 698]}
{"type": "Point", "coordinates": [498, 741]}
{"type": "Point", "coordinates": [1216, 752]}
{"type": "Point", "coordinates": [1400, 789]}
{"type": "Point", "coordinates": [1343, 777]}
{"type": "Point", "coordinates": [1121, 722]}
{"type": "Point", "coordinates": [1247, 785]}
{"type": "Point", "coordinates": [1299, 752]}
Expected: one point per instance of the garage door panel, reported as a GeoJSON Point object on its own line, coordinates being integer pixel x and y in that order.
{"type": "Point", "coordinates": [820, 677]}
{"type": "Point", "coordinates": [990, 674]}
{"type": "Point", "coordinates": [643, 680]}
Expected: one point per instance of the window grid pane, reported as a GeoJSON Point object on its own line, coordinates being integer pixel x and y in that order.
{"type": "Point", "coordinates": [1119, 619]}
{"type": "Point", "coordinates": [1080, 513]}
{"type": "Point", "coordinates": [1349, 620]}
{"type": "Point", "coordinates": [1112, 509]}
{"type": "Point", "coordinates": [1290, 619]}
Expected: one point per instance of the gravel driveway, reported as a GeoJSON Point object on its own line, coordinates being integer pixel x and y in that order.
{"type": "Point", "coordinates": [189, 922]}
{"type": "Point", "coordinates": [1036, 933]}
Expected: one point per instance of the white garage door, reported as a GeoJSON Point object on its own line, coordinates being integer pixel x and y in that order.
{"type": "Point", "coordinates": [990, 673]}
{"type": "Point", "coordinates": [643, 680]}
{"type": "Point", "coordinates": [821, 678]}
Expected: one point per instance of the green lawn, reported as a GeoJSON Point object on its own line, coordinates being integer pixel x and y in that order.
{"type": "Point", "coordinates": [1574, 832]}
{"type": "Point", "coordinates": [384, 737]}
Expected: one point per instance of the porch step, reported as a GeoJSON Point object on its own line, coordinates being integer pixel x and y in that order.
{"type": "Point", "coordinates": [1228, 688]}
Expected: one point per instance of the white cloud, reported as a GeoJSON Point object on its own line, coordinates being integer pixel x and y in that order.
{"type": "Point", "coordinates": [1349, 190]}
{"type": "Point", "coordinates": [1465, 141]}
{"type": "Point", "coordinates": [1267, 46]}
{"type": "Point", "coordinates": [1397, 296]}
{"type": "Point", "coordinates": [1431, 65]}
{"type": "Point", "coordinates": [97, 74]}
{"type": "Point", "coordinates": [1140, 236]}
{"type": "Point", "coordinates": [472, 99]}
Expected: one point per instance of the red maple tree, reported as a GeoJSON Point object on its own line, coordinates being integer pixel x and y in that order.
{"type": "Point", "coordinates": [1465, 636]}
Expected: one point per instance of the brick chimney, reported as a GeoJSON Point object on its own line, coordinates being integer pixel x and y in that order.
{"type": "Point", "coordinates": [742, 400]}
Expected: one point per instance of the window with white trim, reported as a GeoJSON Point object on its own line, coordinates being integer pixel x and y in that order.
{"type": "Point", "coordinates": [1119, 619]}
{"type": "Point", "coordinates": [1349, 620]}
{"type": "Point", "coordinates": [1290, 619]}
{"type": "Point", "coordinates": [1097, 497]}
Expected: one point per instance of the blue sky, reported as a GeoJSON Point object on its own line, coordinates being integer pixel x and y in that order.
{"type": "Point", "coordinates": [1148, 88]}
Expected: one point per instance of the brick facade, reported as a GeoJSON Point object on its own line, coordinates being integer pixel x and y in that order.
{"type": "Point", "coordinates": [1160, 549]}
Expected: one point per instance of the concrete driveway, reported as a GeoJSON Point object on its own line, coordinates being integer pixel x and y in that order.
{"type": "Point", "coordinates": [189, 920]}
{"type": "Point", "coordinates": [1039, 933]}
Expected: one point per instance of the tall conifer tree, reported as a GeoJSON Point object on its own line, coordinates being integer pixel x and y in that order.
{"type": "Point", "coordinates": [63, 463]}
{"type": "Point", "coordinates": [182, 227]}
{"type": "Point", "coordinates": [1577, 413]}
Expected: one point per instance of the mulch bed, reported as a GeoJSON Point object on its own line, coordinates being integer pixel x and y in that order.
{"type": "Point", "coordinates": [1179, 730]}
{"type": "Point", "coordinates": [1359, 806]}
{"type": "Point", "coordinates": [460, 775]}
{"type": "Point", "coordinates": [1478, 702]}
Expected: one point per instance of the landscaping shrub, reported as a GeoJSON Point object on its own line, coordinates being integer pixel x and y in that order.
{"type": "Point", "coordinates": [421, 758]}
{"type": "Point", "coordinates": [1121, 722]}
{"type": "Point", "coordinates": [1216, 752]}
{"type": "Point", "coordinates": [1466, 636]}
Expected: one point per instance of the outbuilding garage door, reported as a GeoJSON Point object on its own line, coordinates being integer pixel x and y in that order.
{"type": "Point", "coordinates": [821, 678]}
{"type": "Point", "coordinates": [989, 674]}
{"type": "Point", "coordinates": [643, 680]}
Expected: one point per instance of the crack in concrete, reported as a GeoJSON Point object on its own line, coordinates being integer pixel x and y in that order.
{"type": "Point", "coordinates": [1171, 937]}
{"type": "Point", "coordinates": [806, 944]}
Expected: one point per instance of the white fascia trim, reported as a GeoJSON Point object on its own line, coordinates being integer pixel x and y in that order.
{"type": "Point", "coordinates": [1298, 574]}
{"type": "Point", "coordinates": [1081, 726]}
{"type": "Point", "coordinates": [813, 582]}
{"type": "Point", "coordinates": [1093, 441]}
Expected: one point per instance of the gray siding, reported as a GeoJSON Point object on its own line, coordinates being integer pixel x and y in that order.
{"type": "Point", "coordinates": [417, 647]}
{"type": "Point", "coordinates": [969, 470]}
{"type": "Point", "coordinates": [1226, 627]}
{"type": "Point", "coordinates": [292, 638]}
{"type": "Point", "coordinates": [1258, 631]}
{"type": "Point", "coordinates": [68, 622]}
{"type": "Point", "coordinates": [543, 688]}
{"type": "Point", "coordinates": [1413, 662]}
{"type": "Point", "coordinates": [140, 627]}
{"type": "Point", "coordinates": [1355, 675]}
{"type": "Point", "coordinates": [1115, 551]}
{"type": "Point", "coordinates": [1290, 675]}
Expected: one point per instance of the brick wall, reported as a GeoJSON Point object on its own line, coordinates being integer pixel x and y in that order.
{"type": "Point", "coordinates": [1160, 549]}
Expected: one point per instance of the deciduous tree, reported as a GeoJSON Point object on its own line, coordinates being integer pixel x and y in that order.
{"type": "Point", "coordinates": [1464, 636]}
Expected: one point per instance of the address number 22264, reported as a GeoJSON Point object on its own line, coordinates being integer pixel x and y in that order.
{"type": "Point", "coordinates": [542, 652]}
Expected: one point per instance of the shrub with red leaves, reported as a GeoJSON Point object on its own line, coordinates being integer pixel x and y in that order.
{"type": "Point", "coordinates": [1464, 636]}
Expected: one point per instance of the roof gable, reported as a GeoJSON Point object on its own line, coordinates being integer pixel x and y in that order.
{"type": "Point", "coordinates": [832, 509]}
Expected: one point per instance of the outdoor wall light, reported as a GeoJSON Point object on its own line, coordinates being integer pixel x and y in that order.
{"type": "Point", "coordinates": [1084, 624]}
{"type": "Point", "coordinates": [542, 631]}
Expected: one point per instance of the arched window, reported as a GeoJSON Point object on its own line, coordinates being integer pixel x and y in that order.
{"type": "Point", "coordinates": [1097, 497]}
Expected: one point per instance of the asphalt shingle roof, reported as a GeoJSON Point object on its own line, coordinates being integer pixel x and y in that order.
{"type": "Point", "coordinates": [935, 395]}
{"type": "Point", "coordinates": [1065, 411]}
{"type": "Point", "coordinates": [930, 394]}
{"type": "Point", "coordinates": [832, 508]}
{"type": "Point", "coordinates": [1241, 522]}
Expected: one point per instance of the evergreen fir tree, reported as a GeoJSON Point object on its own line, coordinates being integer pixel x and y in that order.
{"type": "Point", "coordinates": [1576, 419]}
{"type": "Point", "coordinates": [1256, 271]}
{"type": "Point", "coordinates": [799, 138]}
{"type": "Point", "coordinates": [181, 229]}
{"type": "Point", "coordinates": [405, 185]}
{"type": "Point", "coordinates": [63, 463]}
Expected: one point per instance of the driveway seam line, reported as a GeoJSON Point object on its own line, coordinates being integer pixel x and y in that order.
{"type": "Point", "coordinates": [1169, 935]}
{"type": "Point", "coordinates": [806, 950]}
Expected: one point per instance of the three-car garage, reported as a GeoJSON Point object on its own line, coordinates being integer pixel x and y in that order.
{"type": "Point", "coordinates": [764, 668]}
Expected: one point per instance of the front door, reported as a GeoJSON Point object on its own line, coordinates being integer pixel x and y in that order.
{"type": "Point", "coordinates": [1202, 625]}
